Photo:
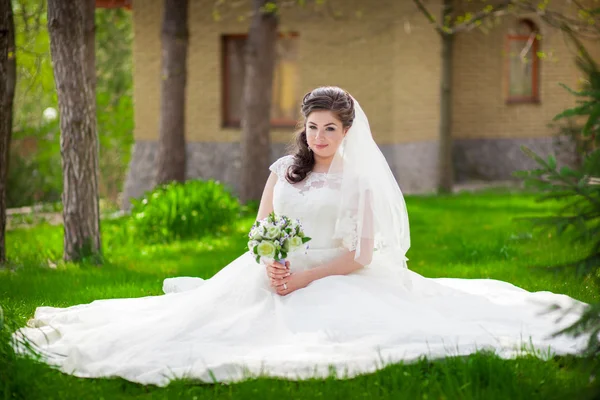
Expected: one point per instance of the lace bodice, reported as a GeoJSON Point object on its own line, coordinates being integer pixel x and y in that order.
{"type": "Point", "coordinates": [314, 201]}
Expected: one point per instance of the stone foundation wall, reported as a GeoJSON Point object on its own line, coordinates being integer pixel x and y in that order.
{"type": "Point", "coordinates": [497, 159]}
{"type": "Point", "coordinates": [414, 164]}
{"type": "Point", "coordinates": [205, 160]}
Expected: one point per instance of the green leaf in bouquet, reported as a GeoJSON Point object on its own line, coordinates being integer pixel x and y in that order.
{"type": "Point", "coordinates": [305, 239]}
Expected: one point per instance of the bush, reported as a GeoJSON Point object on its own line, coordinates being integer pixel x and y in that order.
{"type": "Point", "coordinates": [184, 211]}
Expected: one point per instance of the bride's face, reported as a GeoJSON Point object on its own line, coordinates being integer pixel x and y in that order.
{"type": "Point", "coordinates": [324, 133]}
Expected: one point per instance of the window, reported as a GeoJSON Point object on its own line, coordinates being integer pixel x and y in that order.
{"type": "Point", "coordinates": [523, 64]}
{"type": "Point", "coordinates": [284, 107]}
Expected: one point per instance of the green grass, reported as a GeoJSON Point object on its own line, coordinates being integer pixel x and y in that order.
{"type": "Point", "coordinates": [467, 236]}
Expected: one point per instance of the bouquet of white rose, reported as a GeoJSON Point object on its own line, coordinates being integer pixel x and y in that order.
{"type": "Point", "coordinates": [274, 237]}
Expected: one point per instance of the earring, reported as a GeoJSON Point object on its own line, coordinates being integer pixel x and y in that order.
{"type": "Point", "coordinates": [309, 149]}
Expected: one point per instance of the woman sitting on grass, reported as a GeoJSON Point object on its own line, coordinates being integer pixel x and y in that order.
{"type": "Point", "coordinates": [347, 302]}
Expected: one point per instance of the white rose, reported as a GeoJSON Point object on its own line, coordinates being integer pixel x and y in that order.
{"type": "Point", "coordinates": [266, 249]}
{"type": "Point", "coordinates": [256, 237]}
{"type": "Point", "coordinates": [273, 232]}
{"type": "Point", "coordinates": [295, 242]}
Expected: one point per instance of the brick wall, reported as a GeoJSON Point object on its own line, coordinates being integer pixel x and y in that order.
{"type": "Point", "coordinates": [480, 75]}
{"type": "Point", "coordinates": [365, 50]}
{"type": "Point", "coordinates": [388, 56]}
{"type": "Point", "coordinates": [488, 131]}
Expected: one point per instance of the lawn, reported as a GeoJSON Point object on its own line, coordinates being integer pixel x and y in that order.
{"type": "Point", "coordinates": [466, 236]}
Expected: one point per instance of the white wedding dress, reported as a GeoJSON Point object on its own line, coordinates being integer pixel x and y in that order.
{"type": "Point", "coordinates": [233, 325]}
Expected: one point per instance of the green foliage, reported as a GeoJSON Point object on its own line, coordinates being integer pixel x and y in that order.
{"type": "Point", "coordinates": [589, 97]}
{"type": "Point", "coordinates": [115, 135]}
{"type": "Point", "coordinates": [35, 79]}
{"type": "Point", "coordinates": [114, 38]}
{"type": "Point", "coordinates": [114, 97]}
{"type": "Point", "coordinates": [588, 325]}
{"type": "Point", "coordinates": [579, 190]}
{"type": "Point", "coordinates": [186, 210]}
{"type": "Point", "coordinates": [581, 195]}
{"type": "Point", "coordinates": [35, 172]}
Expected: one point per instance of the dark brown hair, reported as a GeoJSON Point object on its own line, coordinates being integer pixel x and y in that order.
{"type": "Point", "coordinates": [330, 98]}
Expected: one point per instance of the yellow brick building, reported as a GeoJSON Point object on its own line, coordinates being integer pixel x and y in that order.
{"type": "Point", "coordinates": [383, 52]}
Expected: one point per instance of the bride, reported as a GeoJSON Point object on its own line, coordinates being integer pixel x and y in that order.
{"type": "Point", "coordinates": [346, 305]}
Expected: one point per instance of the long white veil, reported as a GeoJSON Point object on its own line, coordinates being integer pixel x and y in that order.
{"type": "Point", "coordinates": [370, 197]}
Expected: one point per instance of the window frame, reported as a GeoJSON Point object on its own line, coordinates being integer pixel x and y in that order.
{"type": "Point", "coordinates": [226, 121]}
{"type": "Point", "coordinates": [535, 66]}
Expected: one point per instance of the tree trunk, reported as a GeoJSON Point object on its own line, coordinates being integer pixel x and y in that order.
{"type": "Point", "coordinates": [89, 32]}
{"type": "Point", "coordinates": [446, 166]}
{"type": "Point", "coordinates": [171, 159]}
{"type": "Point", "coordinates": [256, 105]}
{"type": "Point", "coordinates": [69, 28]}
{"type": "Point", "coordinates": [8, 79]}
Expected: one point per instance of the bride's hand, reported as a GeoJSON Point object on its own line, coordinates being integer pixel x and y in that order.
{"type": "Point", "coordinates": [276, 271]}
{"type": "Point", "coordinates": [291, 283]}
